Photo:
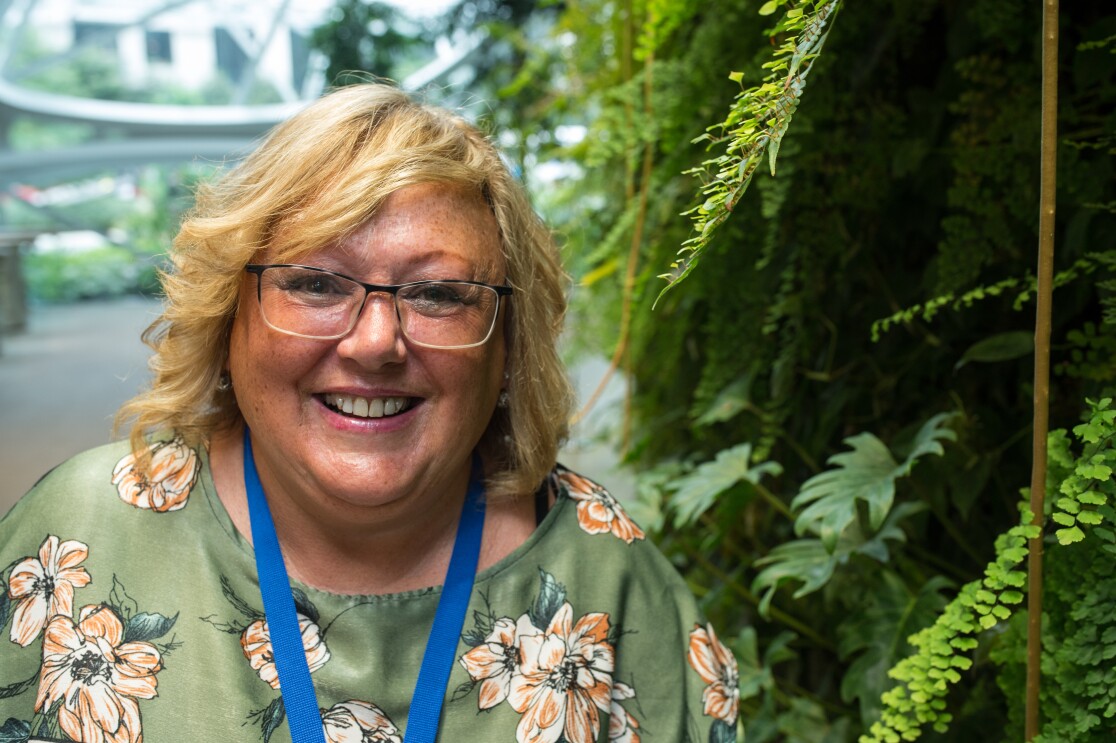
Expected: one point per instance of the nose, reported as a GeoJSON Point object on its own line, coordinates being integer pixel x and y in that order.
{"type": "Point", "coordinates": [377, 338]}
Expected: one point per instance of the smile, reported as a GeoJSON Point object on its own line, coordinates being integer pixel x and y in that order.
{"type": "Point", "coordinates": [360, 407]}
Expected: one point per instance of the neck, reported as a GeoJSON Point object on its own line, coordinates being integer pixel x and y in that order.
{"type": "Point", "coordinates": [338, 547]}
{"type": "Point", "coordinates": [369, 558]}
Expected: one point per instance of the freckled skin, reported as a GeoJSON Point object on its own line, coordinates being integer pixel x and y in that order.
{"type": "Point", "coordinates": [400, 470]}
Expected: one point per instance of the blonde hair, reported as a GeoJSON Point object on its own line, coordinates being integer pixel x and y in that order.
{"type": "Point", "coordinates": [317, 177]}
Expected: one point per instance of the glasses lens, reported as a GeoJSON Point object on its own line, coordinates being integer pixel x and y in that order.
{"type": "Point", "coordinates": [309, 303]}
{"type": "Point", "coordinates": [447, 313]}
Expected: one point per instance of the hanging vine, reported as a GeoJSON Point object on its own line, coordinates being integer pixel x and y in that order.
{"type": "Point", "coordinates": [755, 125]}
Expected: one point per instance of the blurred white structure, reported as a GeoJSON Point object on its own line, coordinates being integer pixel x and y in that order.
{"type": "Point", "coordinates": [187, 44]}
{"type": "Point", "coordinates": [184, 42]}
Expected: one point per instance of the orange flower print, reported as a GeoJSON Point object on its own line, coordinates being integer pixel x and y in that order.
{"type": "Point", "coordinates": [565, 680]}
{"type": "Point", "coordinates": [45, 586]}
{"type": "Point", "coordinates": [255, 641]}
{"type": "Point", "coordinates": [97, 677]}
{"type": "Point", "coordinates": [496, 661]}
{"type": "Point", "coordinates": [171, 473]}
{"type": "Point", "coordinates": [622, 727]}
{"type": "Point", "coordinates": [598, 512]}
{"type": "Point", "coordinates": [358, 722]}
{"type": "Point", "coordinates": [717, 667]}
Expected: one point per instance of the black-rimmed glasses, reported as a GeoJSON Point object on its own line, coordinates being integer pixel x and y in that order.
{"type": "Point", "coordinates": [311, 302]}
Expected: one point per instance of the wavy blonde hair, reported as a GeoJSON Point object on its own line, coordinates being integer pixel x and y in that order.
{"type": "Point", "coordinates": [317, 177]}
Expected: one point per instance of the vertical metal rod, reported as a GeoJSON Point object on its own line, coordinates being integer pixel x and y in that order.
{"type": "Point", "coordinates": [1048, 183]}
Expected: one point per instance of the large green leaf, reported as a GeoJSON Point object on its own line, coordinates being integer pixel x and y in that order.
{"type": "Point", "coordinates": [696, 492]}
{"type": "Point", "coordinates": [811, 563]}
{"type": "Point", "coordinates": [879, 634]}
{"type": "Point", "coordinates": [867, 473]}
{"type": "Point", "coordinates": [805, 560]}
{"type": "Point", "coordinates": [731, 401]}
{"type": "Point", "coordinates": [1000, 347]}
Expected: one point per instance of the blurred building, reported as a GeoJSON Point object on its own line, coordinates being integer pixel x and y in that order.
{"type": "Point", "coordinates": [186, 43]}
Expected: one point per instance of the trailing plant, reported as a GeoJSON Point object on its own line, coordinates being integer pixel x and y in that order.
{"type": "Point", "coordinates": [944, 649]}
{"type": "Point", "coordinates": [1103, 262]}
{"type": "Point", "coordinates": [756, 124]}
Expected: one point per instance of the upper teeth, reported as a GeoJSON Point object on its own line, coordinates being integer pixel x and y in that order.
{"type": "Point", "coordinates": [377, 407]}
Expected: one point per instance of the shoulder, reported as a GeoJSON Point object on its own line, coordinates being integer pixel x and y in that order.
{"type": "Point", "coordinates": [173, 466]}
{"type": "Point", "coordinates": [90, 488]}
{"type": "Point", "coordinates": [604, 575]}
{"type": "Point", "coordinates": [613, 551]}
{"type": "Point", "coordinates": [598, 510]}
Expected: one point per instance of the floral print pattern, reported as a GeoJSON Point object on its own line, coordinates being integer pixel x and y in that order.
{"type": "Point", "coordinates": [97, 676]}
{"type": "Point", "coordinates": [717, 668]}
{"type": "Point", "coordinates": [598, 512]}
{"type": "Point", "coordinates": [358, 722]}
{"type": "Point", "coordinates": [255, 641]}
{"type": "Point", "coordinates": [495, 662]}
{"type": "Point", "coordinates": [44, 586]}
{"type": "Point", "coordinates": [565, 678]}
{"type": "Point", "coordinates": [171, 472]}
{"type": "Point", "coordinates": [90, 674]}
{"type": "Point", "coordinates": [622, 727]}
{"type": "Point", "coordinates": [555, 671]}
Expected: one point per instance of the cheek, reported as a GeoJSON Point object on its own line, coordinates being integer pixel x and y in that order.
{"type": "Point", "coordinates": [259, 364]}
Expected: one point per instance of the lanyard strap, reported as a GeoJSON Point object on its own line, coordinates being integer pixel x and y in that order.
{"type": "Point", "coordinates": [303, 718]}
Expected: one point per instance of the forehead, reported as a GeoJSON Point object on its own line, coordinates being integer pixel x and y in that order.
{"type": "Point", "coordinates": [425, 228]}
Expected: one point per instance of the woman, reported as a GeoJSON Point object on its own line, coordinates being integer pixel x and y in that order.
{"type": "Point", "coordinates": [339, 516]}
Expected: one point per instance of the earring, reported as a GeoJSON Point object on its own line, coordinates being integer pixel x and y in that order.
{"type": "Point", "coordinates": [224, 382]}
{"type": "Point", "coordinates": [503, 400]}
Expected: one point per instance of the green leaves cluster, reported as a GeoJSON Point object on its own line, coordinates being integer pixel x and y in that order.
{"type": "Point", "coordinates": [944, 649]}
{"type": "Point", "coordinates": [1087, 490]}
{"type": "Point", "coordinates": [1099, 262]}
{"type": "Point", "coordinates": [863, 479]}
{"type": "Point", "coordinates": [755, 125]}
{"type": "Point", "coordinates": [1078, 694]}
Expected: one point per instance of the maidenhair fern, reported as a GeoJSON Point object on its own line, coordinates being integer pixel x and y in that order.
{"type": "Point", "coordinates": [1087, 491]}
{"type": "Point", "coordinates": [1083, 511]}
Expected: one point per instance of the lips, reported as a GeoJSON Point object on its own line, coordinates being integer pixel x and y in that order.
{"type": "Point", "coordinates": [367, 407]}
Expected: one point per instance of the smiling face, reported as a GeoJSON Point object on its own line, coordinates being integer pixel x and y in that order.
{"type": "Point", "coordinates": [372, 420]}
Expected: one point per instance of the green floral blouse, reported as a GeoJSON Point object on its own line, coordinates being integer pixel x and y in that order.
{"type": "Point", "coordinates": [130, 610]}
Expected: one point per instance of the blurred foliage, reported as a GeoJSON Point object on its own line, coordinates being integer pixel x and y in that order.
{"type": "Point", "coordinates": [92, 274]}
{"type": "Point", "coordinates": [906, 186]}
{"type": "Point", "coordinates": [138, 231]}
{"type": "Point", "coordinates": [369, 39]}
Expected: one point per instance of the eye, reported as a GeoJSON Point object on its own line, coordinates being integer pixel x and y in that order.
{"type": "Point", "coordinates": [436, 294]}
{"type": "Point", "coordinates": [440, 298]}
{"type": "Point", "coordinates": [313, 284]}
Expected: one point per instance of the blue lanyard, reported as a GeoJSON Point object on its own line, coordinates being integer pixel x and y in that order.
{"type": "Point", "coordinates": [303, 717]}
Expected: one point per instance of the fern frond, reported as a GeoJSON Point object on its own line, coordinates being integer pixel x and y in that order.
{"type": "Point", "coordinates": [1027, 285]}
{"type": "Point", "coordinates": [754, 128]}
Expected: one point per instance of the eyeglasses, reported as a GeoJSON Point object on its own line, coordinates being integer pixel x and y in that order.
{"type": "Point", "coordinates": [314, 303]}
